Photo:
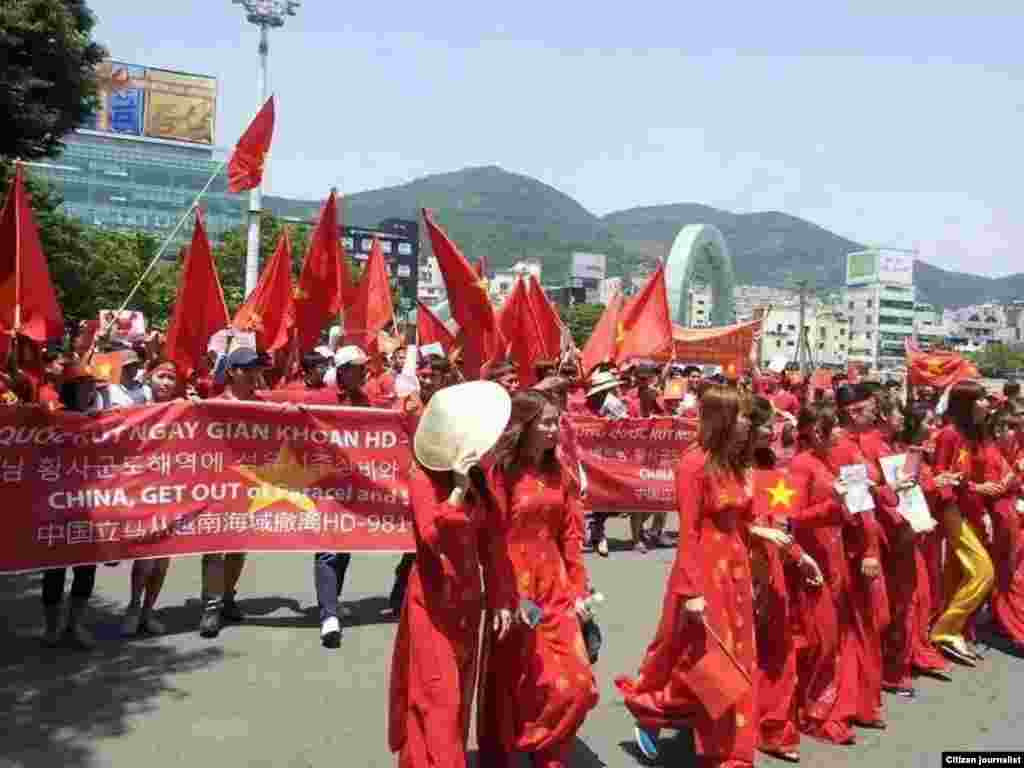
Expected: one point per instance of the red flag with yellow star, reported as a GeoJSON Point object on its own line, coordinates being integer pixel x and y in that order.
{"type": "Point", "coordinates": [430, 329]}
{"type": "Point", "coordinates": [938, 369]}
{"type": "Point", "coordinates": [245, 169]}
{"type": "Point", "coordinates": [469, 301]}
{"type": "Point", "coordinates": [268, 310]}
{"type": "Point", "coordinates": [646, 322]}
{"type": "Point", "coordinates": [548, 321]}
{"type": "Point", "coordinates": [600, 347]}
{"type": "Point", "coordinates": [28, 301]}
{"type": "Point", "coordinates": [371, 310]}
{"type": "Point", "coordinates": [199, 310]}
{"type": "Point", "coordinates": [324, 286]}
{"type": "Point", "coordinates": [521, 329]}
{"type": "Point", "coordinates": [775, 495]}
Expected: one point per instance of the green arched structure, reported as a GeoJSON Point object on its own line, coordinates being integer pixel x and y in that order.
{"type": "Point", "coordinates": [700, 246]}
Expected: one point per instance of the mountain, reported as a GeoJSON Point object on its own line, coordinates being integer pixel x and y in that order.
{"type": "Point", "coordinates": [508, 217]}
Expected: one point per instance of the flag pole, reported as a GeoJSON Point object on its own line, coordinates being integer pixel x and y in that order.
{"type": "Point", "coordinates": [161, 252]}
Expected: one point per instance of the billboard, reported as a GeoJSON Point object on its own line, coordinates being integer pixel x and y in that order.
{"type": "Point", "coordinates": [588, 266]}
{"type": "Point", "coordinates": [861, 267]}
{"type": "Point", "coordinates": [895, 267]}
{"type": "Point", "coordinates": [156, 103]}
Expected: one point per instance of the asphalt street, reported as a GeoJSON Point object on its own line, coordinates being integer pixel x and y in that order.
{"type": "Point", "coordinates": [267, 694]}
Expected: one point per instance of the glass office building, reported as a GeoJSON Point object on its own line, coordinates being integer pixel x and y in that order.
{"type": "Point", "coordinates": [141, 184]}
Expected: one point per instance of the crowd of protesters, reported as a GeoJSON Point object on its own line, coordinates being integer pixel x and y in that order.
{"type": "Point", "coordinates": [818, 612]}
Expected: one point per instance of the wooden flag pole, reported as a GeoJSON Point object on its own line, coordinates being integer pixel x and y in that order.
{"type": "Point", "coordinates": [725, 650]}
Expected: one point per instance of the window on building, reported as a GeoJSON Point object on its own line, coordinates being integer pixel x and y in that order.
{"type": "Point", "coordinates": [790, 343]}
{"type": "Point", "coordinates": [842, 331]}
{"type": "Point", "coordinates": [821, 345]}
{"type": "Point", "coordinates": [790, 327]}
{"type": "Point", "coordinates": [822, 332]}
{"type": "Point", "coordinates": [871, 303]}
{"type": "Point", "coordinates": [868, 334]}
{"type": "Point", "coordinates": [851, 305]}
{"type": "Point", "coordinates": [842, 346]}
{"type": "Point", "coordinates": [778, 343]}
{"type": "Point", "coordinates": [778, 328]}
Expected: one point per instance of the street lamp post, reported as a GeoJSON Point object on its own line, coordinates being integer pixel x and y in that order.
{"type": "Point", "coordinates": [265, 14]}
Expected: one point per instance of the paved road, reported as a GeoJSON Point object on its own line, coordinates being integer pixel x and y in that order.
{"type": "Point", "coordinates": [267, 694]}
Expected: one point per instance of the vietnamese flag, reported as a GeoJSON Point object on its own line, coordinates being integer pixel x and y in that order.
{"type": "Point", "coordinates": [371, 310]}
{"type": "Point", "coordinates": [324, 285]}
{"type": "Point", "coordinates": [28, 301]}
{"type": "Point", "coordinates": [775, 495]}
{"type": "Point", "coordinates": [430, 329]}
{"type": "Point", "coordinates": [938, 369]}
{"type": "Point", "coordinates": [600, 347]}
{"type": "Point", "coordinates": [520, 328]}
{"type": "Point", "coordinates": [468, 299]}
{"type": "Point", "coordinates": [548, 321]}
{"type": "Point", "coordinates": [199, 310]}
{"type": "Point", "coordinates": [245, 169]}
{"type": "Point", "coordinates": [268, 310]}
{"type": "Point", "coordinates": [645, 327]}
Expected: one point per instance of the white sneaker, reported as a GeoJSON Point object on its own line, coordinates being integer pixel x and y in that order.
{"type": "Point", "coordinates": [130, 624]}
{"type": "Point", "coordinates": [330, 632]}
{"type": "Point", "coordinates": [152, 626]}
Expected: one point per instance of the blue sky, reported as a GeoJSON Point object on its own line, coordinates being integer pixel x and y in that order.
{"type": "Point", "coordinates": [891, 127]}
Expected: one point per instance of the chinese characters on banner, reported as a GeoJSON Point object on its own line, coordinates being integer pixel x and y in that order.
{"type": "Point", "coordinates": [629, 464]}
{"type": "Point", "coordinates": [185, 478]}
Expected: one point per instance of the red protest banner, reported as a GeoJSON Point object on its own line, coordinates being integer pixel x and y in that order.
{"type": "Point", "coordinates": [183, 478]}
{"type": "Point", "coordinates": [630, 463]}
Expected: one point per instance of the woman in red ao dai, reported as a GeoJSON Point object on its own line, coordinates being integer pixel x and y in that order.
{"type": "Point", "coordinates": [537, 685]}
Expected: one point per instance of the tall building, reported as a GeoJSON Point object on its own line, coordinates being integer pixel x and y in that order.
{"type": "Point", "coordinates": [826, 329]}
{"type": "Point", "coordinates": [142, 159]}
{"type": "Point", "coordinates": [879, 299]}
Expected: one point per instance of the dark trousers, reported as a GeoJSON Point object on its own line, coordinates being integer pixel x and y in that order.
{"type": "Point", "coordinates": [597, 521]}
{"type": "Point", "coordinates": [82, 583]}
{"type": "Point", "coordinates": [329, 576]}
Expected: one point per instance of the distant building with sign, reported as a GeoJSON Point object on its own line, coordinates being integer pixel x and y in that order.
{"type": "Point", "coordinates": [399, 241]}
{"type": "Point", "coordinates": [139, 162]}
{"type": "Point", "coordinates": [587, 271]}
{"type": "Point", "coordinates": [880, 302]}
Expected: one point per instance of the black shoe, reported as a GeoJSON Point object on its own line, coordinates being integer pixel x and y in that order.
{"type": "Point", "coordinates": [209, 625]}
{"type": "Point", "coordinates": [330, 633]}
{"type": "Point", "coordinates": [231, 612]}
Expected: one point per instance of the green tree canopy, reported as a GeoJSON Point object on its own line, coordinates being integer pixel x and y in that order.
{"type": "Point", "coordinates": [47, 74]}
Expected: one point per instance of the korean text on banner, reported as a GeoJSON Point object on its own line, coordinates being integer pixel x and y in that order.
{"type": "Point", "coordinates": [218, 476]}
{"type": "Point", "coordinates": [629, 464]}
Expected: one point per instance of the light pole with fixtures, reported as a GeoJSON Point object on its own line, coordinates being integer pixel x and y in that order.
{"type": "Point", "coordinates": [265, 14]}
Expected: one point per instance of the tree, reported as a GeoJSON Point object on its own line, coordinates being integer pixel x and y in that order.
{"type": "Point", "coordinates": [998, 357]}
{"type": "Point", "coordinates": [581, 319]}
{"type": "Point", "coordinates": [48, 81]}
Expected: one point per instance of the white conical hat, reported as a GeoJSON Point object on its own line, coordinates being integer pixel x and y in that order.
{"type": "Point", "coordinates": [459, 419]}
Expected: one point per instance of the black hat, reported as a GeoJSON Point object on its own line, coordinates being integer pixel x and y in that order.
{"type": "Point", "coordinates": [313, 360]}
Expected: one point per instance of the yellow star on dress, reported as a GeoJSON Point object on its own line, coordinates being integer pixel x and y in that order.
{"type": "Point", "coordinates": [298, 294]}
{"type": "Point", "coordinates": [283, 480]}
{"type": "Point", "coordinates": [781, 494]}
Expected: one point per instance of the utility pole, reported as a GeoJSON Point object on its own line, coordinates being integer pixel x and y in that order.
{"type": "Point", "coordinates": [802, 340]}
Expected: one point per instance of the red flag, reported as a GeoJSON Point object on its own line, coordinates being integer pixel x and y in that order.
{"type": "Point", "coordinates": [548, 321]}
{"type": "Point", "coordinates": [245, 169]}
{"type": "Point", "coordinates": [268, 310]}
{"type": "Point", "coordinates": [371, 309]}
{"type": "Point", "coordinates": [775, 495]}
{"type": "Point", "coordinates": [600, 347]}
{"type": "Point", "coordinates": [938, 369]}
{"type": "Point", "coordinates": [520, 328]}
{"type": "Point", "coordinates": [28, 301]}
{"type": "Point", "coordinates": [199, 310]}
{"type": "Point", "coordinates": [324, 285]}
{"type": "Point", "coordinates": [430, 329]}
{"type": "Point", "coordinates": [468, 299]}
{"type": "Point", "coordinates": [645, 327]}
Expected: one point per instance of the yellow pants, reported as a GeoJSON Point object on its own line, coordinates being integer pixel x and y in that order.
{"type": "Point", "coordinates": [969, 578]}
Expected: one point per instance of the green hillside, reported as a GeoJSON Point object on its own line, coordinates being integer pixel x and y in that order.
{"type": "Point", "coordinates": [508, 217]}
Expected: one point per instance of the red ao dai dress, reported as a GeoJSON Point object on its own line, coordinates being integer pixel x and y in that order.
{"type": "Point", "coordinates": [538, 685]}
{"type": "Point", "coordinates": [712, 561]}
{"type": "Point", "coordinates": [434, 663]}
